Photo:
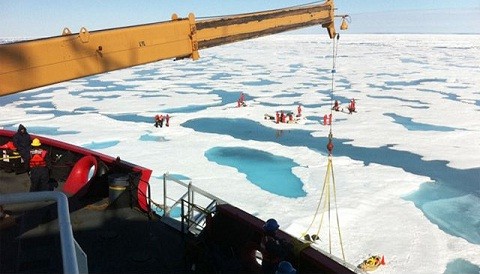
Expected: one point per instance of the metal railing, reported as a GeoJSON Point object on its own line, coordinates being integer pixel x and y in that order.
{"type": "Point", "coordinates": [194, 220]}
{"type": "Point", "coordinates": [195, 204]}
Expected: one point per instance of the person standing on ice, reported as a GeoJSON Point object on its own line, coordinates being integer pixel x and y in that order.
{"type": "Point", "coordinates": [159, 120]}
{"type": "Point", "coordinates": [336, 107]}
{"type": "Point", "coordinates": [351, 106]}
{"type": "Point", "coordinates": [241, 100]}
{"type": "Point", "coordinates": [282, 116]}
{"type": "Point", "coordinates": [167, 120]}
{"type": "Point", "coordinates": [299, 110]}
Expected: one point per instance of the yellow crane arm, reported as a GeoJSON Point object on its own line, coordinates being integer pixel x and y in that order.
{"type": "Point", "coordinates": [225, 30]}
{"type": "Point", "coordinates": [30, 64]}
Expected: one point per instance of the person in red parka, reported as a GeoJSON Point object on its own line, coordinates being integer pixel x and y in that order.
{"type": "Point", "coordinates": [351, 106]}
{"type": "Point", "coordinates": [167, 120]}
{"type": "Point", "coordinates": [336, 106]}
{"type": "Point", "coordinates": [159, 120]}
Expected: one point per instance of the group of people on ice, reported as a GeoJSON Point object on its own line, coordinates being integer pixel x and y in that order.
{"type": "Point", "coordinates": [159, 119]}
{"type": "Point", "coordinates": [351, 106]}
{"type": "Point", "coordinates": [327, 119]}
{"type": "Point", "coordinates": [288, 116]}
{"type": "Point", "coordinates": [283, 116]}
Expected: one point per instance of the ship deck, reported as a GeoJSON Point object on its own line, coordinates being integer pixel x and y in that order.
{"type": "Point", "coordinates": [115, 239]}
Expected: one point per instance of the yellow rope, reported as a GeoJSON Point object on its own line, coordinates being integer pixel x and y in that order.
{"type": "Point", "coordinates": [336, 210]}
{"type": "Point", "coordinates": [326, 182]}
{"type": "Point", "coordinates": [326, 185]}
{"type": "Point", "coordinates": [325, 199]}
{"type": "Point", "coordinates": [316, 211]}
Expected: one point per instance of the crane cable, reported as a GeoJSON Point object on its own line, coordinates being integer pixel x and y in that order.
{"type": "Point", "coordinates": [329, 173]}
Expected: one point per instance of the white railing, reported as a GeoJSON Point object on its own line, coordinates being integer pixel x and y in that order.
{"type": "Point", "coordinates": [68, 243]}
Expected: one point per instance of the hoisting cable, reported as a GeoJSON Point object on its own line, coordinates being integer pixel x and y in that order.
{"type": "Point", "coordinates": [329, 172]}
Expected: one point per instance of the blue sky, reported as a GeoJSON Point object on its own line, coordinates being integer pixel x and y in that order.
{"type": "Point", "coordinates": [33, 18]}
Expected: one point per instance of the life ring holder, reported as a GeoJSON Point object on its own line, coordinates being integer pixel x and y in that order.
{"type": "Point", "coordinates": [80, 176]}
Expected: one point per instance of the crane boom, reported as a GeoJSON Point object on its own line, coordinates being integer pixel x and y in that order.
{"type": "Point", "coordinates": [36, 63]}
